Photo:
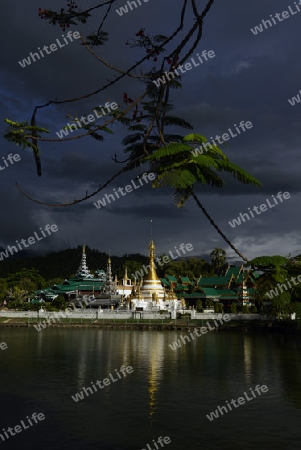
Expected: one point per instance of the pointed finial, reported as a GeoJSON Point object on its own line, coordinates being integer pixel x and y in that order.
{"type": "Point", "coordinates": [151, 229]}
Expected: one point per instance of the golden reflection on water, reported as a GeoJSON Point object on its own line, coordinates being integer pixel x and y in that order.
{"type": "Point", "coordinates": [247, 359]}
{"type": "Point", "coordinates": [82, 364]}
{"type": "Point", "coordinates": [155, 370]}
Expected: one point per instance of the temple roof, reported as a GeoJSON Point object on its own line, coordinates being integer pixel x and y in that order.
{"type": "Point", "coordinates": [185, 280]}
{"type": "Point", "coordinates": [233, 271]}
{"type": "Point", "coordinates": [171, 278]}
{"type": "Point", "coordinates": [212, 281]}
{"type": "Point", "coordinates": [227, 293]}
{"type": "Point", "coordinates": [210, 292]}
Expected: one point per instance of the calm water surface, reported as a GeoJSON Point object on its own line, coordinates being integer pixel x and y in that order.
{"type": "Point", "coordinates": [168, 394]}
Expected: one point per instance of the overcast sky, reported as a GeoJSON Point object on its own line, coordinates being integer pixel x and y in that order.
{"type": "Point", "coordinates": [251, 79]}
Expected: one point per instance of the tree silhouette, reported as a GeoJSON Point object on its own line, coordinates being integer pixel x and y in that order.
{"type": "Point", "coordinates": [218, 260]}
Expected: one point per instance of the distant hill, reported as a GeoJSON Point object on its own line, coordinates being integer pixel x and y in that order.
{"type": "Point", "coordinates": [65, 263]}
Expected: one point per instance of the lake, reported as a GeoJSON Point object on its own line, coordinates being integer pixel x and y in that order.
{"type": "Point", "coordinates": [168, 393]}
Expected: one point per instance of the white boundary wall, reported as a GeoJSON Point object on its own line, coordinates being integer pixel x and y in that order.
{"type": "Point", "coordinates": [202, 316]}
{"type": "Point", "coordinates": [114, 314]}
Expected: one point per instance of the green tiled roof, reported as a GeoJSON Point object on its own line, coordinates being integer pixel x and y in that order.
{"type": "Point", "coordinates": [245, 277]}
{"type": "Point", "coordinates": [63, 289]}
{"type": "Point", "coordinates": [233, 271]}
{"type": "Point", "coordinates": [165, 282]}
{"type": "Point", "coordinates": [180, 288]}
{"type": "Point", "coordinates": [171, 278]}
{"type": "Point", "coordinates": [57, 291]}
{"type": "Point", "coordinates": [84, 287]}
{"type": "Point", "coordinates": [210, 292]}
{"type": "Point", "coordinates": [227, 294]}
{"type": "Point", "coordinates": [214, 281]}
{"type": "Point", "coordinates": [87, 282]}
{"type": "Point", "coordinates": [241, 278]}
{"type": "Point", "coordinates": [194, 295]}
{"type": "Point", "coordinates": [73, 285]}
{"type": "Point", "coordinates": [185, 280]}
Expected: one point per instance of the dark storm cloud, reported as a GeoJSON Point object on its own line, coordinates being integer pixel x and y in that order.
{"type": "Point", "coordinates": [157, 211]}
{"type": "Point", "coordinates": [250, 78]}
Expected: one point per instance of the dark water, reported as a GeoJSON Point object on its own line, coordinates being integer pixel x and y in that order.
{"type": "Point", "coordinates": [168, 394]}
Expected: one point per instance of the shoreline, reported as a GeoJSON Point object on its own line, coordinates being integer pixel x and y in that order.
{"type": "Point", "coordinates": [269, 327]}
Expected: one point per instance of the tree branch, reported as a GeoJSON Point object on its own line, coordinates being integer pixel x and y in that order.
{"type": "Point", "coordinates": [217, 228]}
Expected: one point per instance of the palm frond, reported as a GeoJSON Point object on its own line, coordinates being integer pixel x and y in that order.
{"type": "Point", "coordinates": [179, 179]}
{"type": "Point", "coordinates": [173, 148]}
{"type": "Point", "coordinates": [194, 137]}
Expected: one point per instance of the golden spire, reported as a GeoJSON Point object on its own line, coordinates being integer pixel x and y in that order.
{"type": "Point", "coordinates": [84, 249]}
{"type": "Point", "coordinates": [152, 274]}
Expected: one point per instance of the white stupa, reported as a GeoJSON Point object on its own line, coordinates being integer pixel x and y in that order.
{"type": "Point", "coordinates": [151, 295]}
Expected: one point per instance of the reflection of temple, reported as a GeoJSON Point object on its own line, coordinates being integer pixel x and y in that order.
{"type": "Point", "coordinates": [155, 371]}
{"type": "Point", "coordinates": [151, 294]}
{"type": "Point", "coordinates": [247, 352]}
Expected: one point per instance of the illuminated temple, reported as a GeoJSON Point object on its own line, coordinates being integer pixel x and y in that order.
{"type": "Point", "coordinates": [153, 293]}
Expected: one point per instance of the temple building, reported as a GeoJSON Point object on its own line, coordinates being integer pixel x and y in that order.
{"type": "Point", "coordinates": [154, 293]}
{"type": "Point", "coordinates": [125, 287]}
{"type": "Point", "coordinates": [83, 284]}
{"type": "Point", "coordinates": [151, 295]}
{"type": "Point", "coordinates": [83, 271]}
{"type": "Point", "coordinates": [108, 296]}
{"type": "Point", "coordinates": [235, 286]}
